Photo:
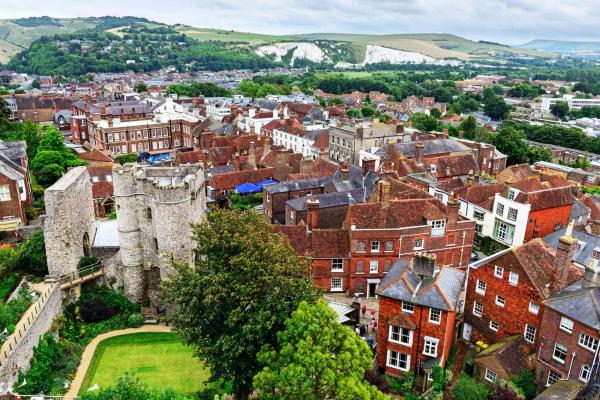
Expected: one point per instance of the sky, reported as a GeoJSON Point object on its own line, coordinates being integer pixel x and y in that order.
{"type": "Point", "coordinates": [505, 21]}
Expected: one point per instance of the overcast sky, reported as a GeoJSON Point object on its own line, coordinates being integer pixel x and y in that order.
{"type": "Point", "coordinates": [507, 21]}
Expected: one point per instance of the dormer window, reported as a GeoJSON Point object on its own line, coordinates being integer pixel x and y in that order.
{"type": "Point", "coordinates": [437, 227]}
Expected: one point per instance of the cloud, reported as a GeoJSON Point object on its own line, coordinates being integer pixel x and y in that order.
{"type": "Point", "coordinates": [511, 21]}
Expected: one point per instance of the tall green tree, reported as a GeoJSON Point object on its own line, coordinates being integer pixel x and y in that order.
{"type": "Point", "coordinates": [495, 107]}
{"type": "Point", "coordinates": [560, 109]}
{"type": "Point", "coordinates": [512, 143]}
{"type": "Point", "coordinates": [315, 358]}
{"type": "Point", "coordinates": [246, 282]}
{"type": "Point", "coordinates": [424, 122]}
{"type": "Point", "coordinates": [140, 87]}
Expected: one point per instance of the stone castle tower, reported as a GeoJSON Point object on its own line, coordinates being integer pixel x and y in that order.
{"type": "Point", "coordinates": [156, 208]}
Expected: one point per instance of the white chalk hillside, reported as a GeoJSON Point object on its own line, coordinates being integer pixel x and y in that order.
{"type": "Point", "coordinates": [307, 51]}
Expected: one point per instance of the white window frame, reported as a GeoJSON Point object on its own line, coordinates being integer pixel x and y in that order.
{"type": "Point", "coordinates": [498, 271]}
{"type": "Point", "coordinates": [558, 359]}
{"type": "Point", "coordinates": [583, 338]}
{"type": "Point", "coordinates": [555, 377]}
{"type": "Point", "coordinates": [514, 212]}
{"type": "Point", "coordinates": [500, 301]}
{"type": "Point", "coordinates": [494, 326]}
{"type": "Point", "coordinates": [397, 333]}
{"type": "Point", "coordinates": [585, 373]}
{"type": "Point", "coordinates": [500, 209]}
{"type": "Point", "coordinates": [566, 324]}
{"type": "Point", "coordinates": [478, 289]}
{"type": "Point", "coordinates": [393, 360]}
{"type": "Point", "coordinates": [373, 266]}
{"type": "Point", "coordinates": [408, 307]}
{"type": "Point", "coordinates": [534, 308]}
{"type": "Point", "coordinates": [418, 244]}
{"type": "Point", "coordinates": [513, 278]}
{"type": "Point", "coordinates": [375, 245]}
{"type": "Point", "coordinates": [527, 333]}
{"type": "Point", "coordinates": [337, 265]}
{"type": "Point", "coordinates": [430, 343]}
{"type": "Point", "coordinates": [490, 375]}
{"type": "Point", "coordinates": [341, 285]}
{"type": "Point", "coordinates": [475, 312]}
{"type": "Point", "coordinates": [433, 312]}
{"type": "Point", "coordinates": [5, 193]}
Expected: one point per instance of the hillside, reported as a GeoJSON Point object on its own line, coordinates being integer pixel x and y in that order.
{"type": "Point", "coordinates": [580, 49]}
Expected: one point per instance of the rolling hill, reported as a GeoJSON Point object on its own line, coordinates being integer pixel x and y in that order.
{"type": "Point", "coordinates": [580, 49]}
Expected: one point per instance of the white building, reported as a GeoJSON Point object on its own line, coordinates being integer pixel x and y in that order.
{"type": "Point", "coordinates": [575, 103]}
{"type": "Point", "coordinates": [310, 143]}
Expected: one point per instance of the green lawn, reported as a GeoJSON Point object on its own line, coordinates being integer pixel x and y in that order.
{"type": "Point", "coordinates": [157, 358]}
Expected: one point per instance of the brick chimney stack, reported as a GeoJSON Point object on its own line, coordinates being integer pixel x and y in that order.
{"type": "Point", "coordinates": [567, 245]}
{"type": "Point", "coordinates": [252, 155]}
{"type": "Point", "coordinates": [344, 172]}
{"type": "Point", "coordinates": [400, 128]}
{"type": "Point", "coordinates": [419, 151]}
{"type": "Point", "coordinates": [312, 213]}
{"type": "Point", "coordinates": [267, 146]}
{"type": "Point", "coordinates": [452, 209]}
{"type": "Point", "coordinates": [460, 134]}
{"type": "Point", "coordinates": [595, 227]}
{"type": "Point", "coordinates": [423, 264]}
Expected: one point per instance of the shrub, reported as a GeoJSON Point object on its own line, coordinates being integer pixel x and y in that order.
{"type": "Point", "coordinates": [466, 388]}
{"type": "Point", "coordinates": [135, 320]}
{"type": "Point", "coordinates": [85, 261]}
{"type": "Point", "coordinates": [402, 385]}
{"type": "Point", "coordinates": [112, 298]}
{"type": "Point", "coordinates": [94, 309]}
{"type": "Point", "coordinates": [8, 259]}
{"type": "Point", "coordinates": [526, 382]}
{"type": "Point", "coordinates": [32, 255]}
{"type": "Point", "coordinates": [451, 356]}
{"type": "Point", "coordinates": [376, 379]}
{"type": "Point", "coordinates": [506, 391]}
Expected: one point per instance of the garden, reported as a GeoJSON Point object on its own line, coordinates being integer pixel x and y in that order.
{"type": "Point", "coordinates": [159, 359]}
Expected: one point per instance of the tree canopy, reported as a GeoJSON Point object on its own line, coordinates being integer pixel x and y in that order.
{"type": "Point", "coordinates": [245, 284]}
{"type": "Point", "coordinates": [315, 358]}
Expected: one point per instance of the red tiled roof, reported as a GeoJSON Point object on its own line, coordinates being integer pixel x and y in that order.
{"type": "Point", "coordinates": [102, 189]}
{"type": "Point", "coordinates": [330, 243]}
{"type": "Point", "coordinates": [189, 157]}
{"type": "Point", "coordinates": [220, 155]}
{"type": "Point", "coordinates": [399, 213]}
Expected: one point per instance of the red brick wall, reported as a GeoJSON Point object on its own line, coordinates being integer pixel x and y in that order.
{"type": "Point", "coordinates": [322, 273]}
{"type": "Point", "coordinates": [515, 313]}
{"type": "Point", "coordinates": [550, 334]}
{"type": "Point", "coordinates": [544, 220]}
{"type": "Point", "coordinates": [444, 332]}
{"type": "Point", "coordinates": [13, 207]}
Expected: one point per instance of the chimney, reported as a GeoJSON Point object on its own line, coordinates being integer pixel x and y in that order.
{"type": "Point", "coordinates": [423, 264]}
{"type": "Point", "coordinates": [446, 132]}
{"type": "Point", "coordinates": [567, 245]}
{"type": "Point", "coordinates": [383, 193]}
{"type": "Point", "coordinates": [390, 149]}
{"type": "Point", "coordinates": [419, 151]}
{"type": "Point", "coordinates": [460, 134]}
{"type": "Point", "coordinates": [400, 128]}
{"type": "Point", "coordinates": [312, 213]}
{"type": "Point", "coordinates": [234, 128]}
{"type": "Point", "coordinates": [453, 208]}
{"type": "Point", "coordinates": [252, 112]}
{"type": "Point", "coordinates": [591, 276]}
{"type": "Point", "coordinates": [252, 155]}
{"type": "Point", "coordinates": [305, 166]}
{"type": "Point", "coordinates": [368, 165]}
{"type": "Point", "coordinates": [267, 146]}
{"type": "Point", "coordinates": [344, 172]}
{"type": "Point", "coordinates": [595, 227]}
{"type": "Point", "coordinates": [471, 178]}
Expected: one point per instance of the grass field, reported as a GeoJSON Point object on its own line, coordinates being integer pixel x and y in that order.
{"type": "Point", "coordinates": [160, 359]}
{"type": "Point", "coordinates": [232, 36]}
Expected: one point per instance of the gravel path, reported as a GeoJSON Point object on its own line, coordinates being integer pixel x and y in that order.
{"type": "Point", "coordinates": [88, 353]}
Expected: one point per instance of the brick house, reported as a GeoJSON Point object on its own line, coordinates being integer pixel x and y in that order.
{"type": "Point", "coordinates": [570, 331]}
{"type": "Point", "coordinates": [102, 188]}
{"type": "Point", "coordinates": [418, 307]}
{"type": "Point", "coordinates": [15, 185]}
{"type": "Point", "coordinates": [505, 291]}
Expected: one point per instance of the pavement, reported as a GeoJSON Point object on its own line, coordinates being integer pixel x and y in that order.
{"type": "Point", "coordinates": [372, 303]}
{"type": "Point", "coordinates": [89, 351]}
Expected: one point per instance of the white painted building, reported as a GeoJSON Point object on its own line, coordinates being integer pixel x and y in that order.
{"type": "Point", "coordinates": [575, 103]}
{"type": "Point", "coordinates": [300, 141]}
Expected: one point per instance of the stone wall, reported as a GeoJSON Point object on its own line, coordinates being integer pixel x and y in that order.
{"type": "Point", "coordinates": [69, 224]}
{"type": "Point", "coordinates": [19, 358]}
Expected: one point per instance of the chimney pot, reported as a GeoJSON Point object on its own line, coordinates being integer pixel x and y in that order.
{"type": "Point", "coordinates": [312, 213]}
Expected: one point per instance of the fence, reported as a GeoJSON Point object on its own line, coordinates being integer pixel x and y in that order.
{"type": "Point", "coordinates": [24, 324]}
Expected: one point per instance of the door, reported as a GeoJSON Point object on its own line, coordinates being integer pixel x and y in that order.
{"type": "Point", "coordinates": [467, 329]}
{"type": "Point", "coordinates": [372, 289]}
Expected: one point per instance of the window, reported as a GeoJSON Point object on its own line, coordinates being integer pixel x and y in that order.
{"type": "Point", "coordinates": [133, 147]}
{"type": "Point", "coordinates": [95, 179]}
{"type": "Point", "coordinates": [375, 245]}
{"type": "Point", "coordinates": [4, 193]}
{"type": "Point", "coordinates": [480, 288]}
{"type": "Point", "coordinates": [408, 307]}
{"type": "Point", "coordinates": [337, 264]}
{"type": "Point", "coordinates": [588, 342]}
{"type": "Point", "coordinates": [478, 215]}
{"type": "Point", "coordinates": [534, 308]}
{"type": "Point", "coordinates": [418, 244]}
{"type": "Point", "coordinates": [500, 209]}
{"type": "Point", "coordinates": [398, 360]}
{"type": "Point", "coordinates": [439, 195]}
{"type": "Point", "coordinates": [440, 223]}
{"type": "Point", "coordinates": [512, 214]}
{"type": "Point", "coordinates": [556, 226]}
{"type": "Point", "coordinates": [596, 254]}
{"type": "Point", "coordinates": [360, 267]}
{"type": "Point", "coordinates": [500, 301]}
{"type": "Point", "coordinates": [560, 353]}
{"type": "Point", "coordinates": [513, 278]}
{"type": "Point", "coordinates": [512, 194]}
{"type": "Point", "coordinates": [430, 346]}
{"type": "Point", "coordinates": [490, 375]}
{"type": "Point", "coordinates": [373, 266]}
{"type": "Point", "coordinates": [494, 326]}
{"type": "Point", "coordinates": [498, 271]}
{"type": "Point", "coordinates": [110, 137]}
{"type": "Point", "coordinates": [387, 265]}
{"type": "Point", "coordinates": [529, 333]}
{"type": "Point", "coordinates": [336, 284]}
{"type": "Point", "coordinates": [478, 309]}
{"type": "Point", "coordinates": [584, 373]}
{"type": "Point", "coordinates": [435, 315]}
{"type": "Point", "coordinates": [145, 133]}
{"type": "Point", "coordinates": [389, 245]}
{"type": "Point", "coordinates": [131, 135]}
{"type": "Point", "coordinates": [566, 325]}
{"type": "Point", "coordinates": [360, 247]}
{"type": "Point", "coordinates": [400, 335]}
{"type": "Point", "coordinates": [503, 231]}
{"type": "Point", "coordinates": [552, 377]}
{"type": "Point", "coordinates": [479, 229]}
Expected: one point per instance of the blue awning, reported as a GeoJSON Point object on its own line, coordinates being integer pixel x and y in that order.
{"type": "Point", "coordinates": [246, 188]}
{"type": "Point", "coordinates": [267, 182]}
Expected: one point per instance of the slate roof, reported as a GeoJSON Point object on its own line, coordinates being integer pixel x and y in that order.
{"type": "Point", "coordinates": [579, 210]}
{"type": "Point", "coordinates": [578, 303]}
{"type": "Point", "coordinates": [326, 200]}
{"type": "Point", "coordinates": [584, 253]}
{"type": "Point", "coordinates": [440, 291]}
{"type": "Point", "coordinates": [430, 147]}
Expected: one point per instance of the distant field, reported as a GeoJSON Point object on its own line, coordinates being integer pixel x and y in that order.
{"type": "Point", "coordinates": [7, 51]}
{"type": "Point", "coordinates": [160, 359]}
{"type": "Point", "coordinates": [232, 36]}
{"type": "Point", "coordinates": [23, 36]}
{"type": "Point", "coordinates": [118, 31]}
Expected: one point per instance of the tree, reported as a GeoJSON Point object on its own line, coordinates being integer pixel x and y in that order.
{"type": "Point", "coordinates": [36, 84]}
{"type": "Point", "coordinates": [495, 107]}
{"type": "Point", "coordinates": [50, 173]}
{"type": "Point", "coordinates": [435, 113]}
{"type": "Point", "coordinates": [315, 358]}
{"type": "Point", "coordinates": [526, 383]}
{"type": "Point", "coordinates": [140, 87]}
{"type": "Point", "coordinates": [32, 255]}
{"type": "Point", "coordinates": [466, 388]}
{"type": "Point", "coordinates": [424, 122]}
{"type": "Point", "coordinates": [560, 109]}
{"type": "Point", "coordinates": [246, 283]}
{"type": "Point", "coordinates": [511, 142]}
{"type": "Point", "coordinates": [468, 126]}
{"type": "Point", "coordinates": [354, 113]}
{"type": "Point", "coordinates": [537, 153]}
{"type": "Point", "coordinates": [367, 111]}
